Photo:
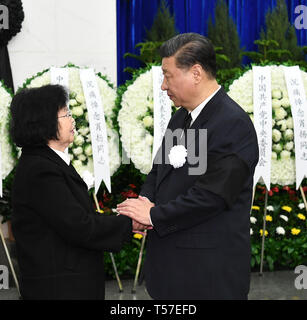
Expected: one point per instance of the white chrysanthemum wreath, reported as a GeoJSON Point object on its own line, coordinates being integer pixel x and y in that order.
{"type": "Point", "coordinates": [7, 159]}
{"type": "Point", "coordinates": [80, 150]}
{"type": "Point", "coordinates": [136, 121]}
{"type": "Point", "coordinates": [283, 154]}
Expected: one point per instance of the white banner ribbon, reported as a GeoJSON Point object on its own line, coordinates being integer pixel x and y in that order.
{"type": "Point", "coordinates": [59, 76]}
{"type": "Point", "coordinates": [162, 109]}
{"type": "Point", "coordinates": [297, 97]}
{"type": "Point", "coordinates": [97, 127]}
{"type": "Point", "coordinates": [263, 122]}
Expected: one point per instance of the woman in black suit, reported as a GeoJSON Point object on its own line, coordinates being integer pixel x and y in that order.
{"type": "Point", "coordinates": [59, 237]}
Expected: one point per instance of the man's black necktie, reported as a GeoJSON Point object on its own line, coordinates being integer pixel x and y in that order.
{"type": "Point", "coordinates": [186, 126]}
{"type": "Point", "coordinates": [187, 122]}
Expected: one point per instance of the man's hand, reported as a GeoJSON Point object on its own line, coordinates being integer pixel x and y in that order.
{"type": "Point", "coordinates": [137, 209]}
{"type": "Point", "coordinates": [137, 226]}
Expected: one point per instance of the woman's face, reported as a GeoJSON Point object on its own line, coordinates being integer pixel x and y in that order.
{"type": "Point", "coordinates": [66, 128]}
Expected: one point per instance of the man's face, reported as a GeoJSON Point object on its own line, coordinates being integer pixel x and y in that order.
{"type": "Point", "coordinates": [178, 83]}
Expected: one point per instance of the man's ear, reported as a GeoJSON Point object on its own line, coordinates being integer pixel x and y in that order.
{"type": "Point", "coordinates": [197, 72]}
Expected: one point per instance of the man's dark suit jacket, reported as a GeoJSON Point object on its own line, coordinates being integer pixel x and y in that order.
{"type": "Point", "coordinates": [59, 237]}
{"type": "Point", "coordinates": [199, 247]}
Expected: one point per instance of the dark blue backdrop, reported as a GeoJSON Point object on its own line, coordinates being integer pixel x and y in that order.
{"type": "Point", "coordinates": [133, 16]}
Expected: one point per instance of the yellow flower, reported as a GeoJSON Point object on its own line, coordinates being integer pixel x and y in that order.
{"type": "Point", "coordinates": [137, 236]}
{"type": "Point", "coordinates": [301, 216]}
{"type": "Point", "coordinates": [295, 231]}
{"type": "Point", "coordinates": [265, 234]}
{"type": "Point", "coordinates": [286, 208]}
{"type": "Point", "coordinates": [255, 208]}
{"type": "Point", "coordinates": [100, 211]}
{"type": "Point", "coordinates": [268, 218]}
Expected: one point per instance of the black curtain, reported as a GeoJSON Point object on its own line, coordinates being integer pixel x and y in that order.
{"type": "Point", "coordinates": [16, 17]}
{"type": "Point", "coordinates": [5, 68]}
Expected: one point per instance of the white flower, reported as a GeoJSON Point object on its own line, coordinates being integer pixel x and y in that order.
{"type": "Point", "coordinates": [284, 217]}
{"type": "Point", "coordinates": [276, 94]}
{"type": "Point", "coordinates": [289, 145]}
{"type": "Point", "coordinates": [88, 150]}
{"type": "Point", "coordinates": [80, 98]}
{"type": "Point", "coordinates": [301, 205]}
{"type": "Point", "coordinates": [274, 155]}
{"type": "Point", "coordinates": [148, 121]}
{"type": "Point", "coordinates": [72, 102]}
{"type": "Point", "coordinates": [288, 134]}
{"type": "Point", "coordinates": [285, 102]}
{"type": "Point", "coordinates": [289, 123]}
{"type": "Point", "coordinates": [77, 111]}
{"type": "Point", "coordinates": [280, 230]}
{"type": "Point", "coordinates": [285, 154]}
{"type": "Point", "coordinates": [276, 104]}
{"type": "Point", "coordinates": [282, 124]}
{"type": "Point", "coordinates": [79, 140]}
{"type": "Point", "coordinates": [149, 139]}
{"type": "Point", "coordinates": [81, 157]}
{"type": "Point", "coordinates": [177, 156]}
{"type": "Point", "coordinates": [77, 151]}
{"type": "Point", "coordinates": [253, 220]}
{"type": "Point", "coordinates": [77, 164]}
{"type": "Point", "coordinates": [276, 135]}
{"type": "Point", "coordinates": [251, 232]}
{"type": "Point", "coordinates": [270, 208]}
{"type": "Point", "coordinates": [280, 113]}
{"type": "Point", "coordinates": [84, 130]}
{"type": "Point", "coordinates": [277, 147]}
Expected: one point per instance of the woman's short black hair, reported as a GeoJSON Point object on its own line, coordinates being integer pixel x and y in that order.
{"type": "Point", "coordinates": [34, 115]}
{"type": "Point", "coordinates": [189, 49]}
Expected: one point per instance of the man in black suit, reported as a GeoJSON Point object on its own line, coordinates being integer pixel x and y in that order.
{"type": "Point", "coordinates": [199, 247]}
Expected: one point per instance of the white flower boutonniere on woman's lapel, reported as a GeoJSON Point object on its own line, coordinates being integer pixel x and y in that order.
{"type": "Point", "coordinates": [177, 156]}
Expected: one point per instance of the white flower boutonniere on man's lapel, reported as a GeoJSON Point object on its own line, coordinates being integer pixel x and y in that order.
{"type": "Point", "coordinates": [177, 156]}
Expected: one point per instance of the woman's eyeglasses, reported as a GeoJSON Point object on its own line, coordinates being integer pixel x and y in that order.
{"type": "Point", "coordinates": [67, 115]}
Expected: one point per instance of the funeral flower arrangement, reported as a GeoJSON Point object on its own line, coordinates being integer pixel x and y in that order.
{"type": "Point", "coordinates": [80, 150]}
{"type": "Point", "coordinates": [136, 119]}
{"type": "Point", "coordinates": [283, 153]}
{"type": "Point", "coordinates": [7, 158]}
{"type": "Point", "coordinates": [286, 227]}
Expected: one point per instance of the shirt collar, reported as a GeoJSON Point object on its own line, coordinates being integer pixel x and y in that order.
{"type": "Point", "coordinates": [64, 155]}
{"type": "Point", "coordinates": [199, 108]}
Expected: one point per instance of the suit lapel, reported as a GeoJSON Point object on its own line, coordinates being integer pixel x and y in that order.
{"type": "Point", "coordinates": [205, 115]}
{"type": "Point", "coordinates": [48, 153]}
{"type": "Point", "coordinates": [176, 123]}
{"type": "Point", "coordinates": [202, 118]}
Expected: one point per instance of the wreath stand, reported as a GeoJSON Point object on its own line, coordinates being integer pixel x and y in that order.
{"type": "Point", "coordinates": [9, 260]}
{"type": "Point", "coordinates": [111, 254]}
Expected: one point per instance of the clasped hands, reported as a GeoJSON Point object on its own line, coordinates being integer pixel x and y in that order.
{"type": "Point", "coordinates": [138, 210]}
